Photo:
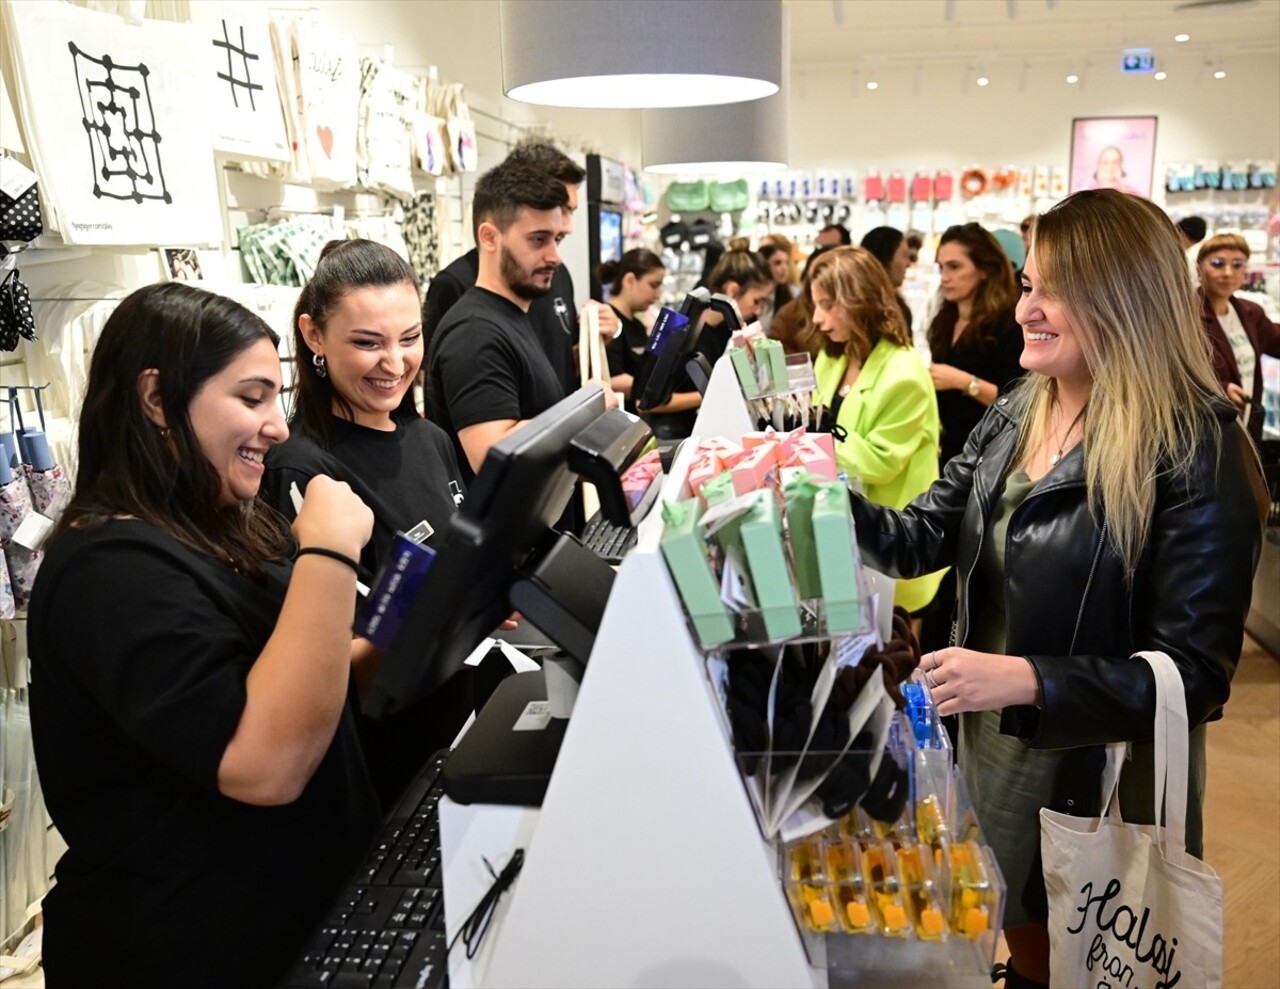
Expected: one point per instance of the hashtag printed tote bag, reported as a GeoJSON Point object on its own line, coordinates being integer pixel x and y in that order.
{"type": "Point", "coordinates": [1128, 906]}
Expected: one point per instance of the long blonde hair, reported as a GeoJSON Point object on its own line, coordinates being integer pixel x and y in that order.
{"type": "Point", "coordinates": [1114, 263]}
{"type": "Point", "coordinates": [860, 288]}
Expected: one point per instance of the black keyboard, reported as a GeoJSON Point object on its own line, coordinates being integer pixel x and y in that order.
{"type": "Point", "coordinates": [608, 541]}
{"type": "Point", "coordinates": [387, 927]}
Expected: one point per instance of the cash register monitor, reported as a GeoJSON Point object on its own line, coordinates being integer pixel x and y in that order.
{"type": "Point", "coordinates": [518, 495]}
{"type": "Point", "coordinates": [664, 368]}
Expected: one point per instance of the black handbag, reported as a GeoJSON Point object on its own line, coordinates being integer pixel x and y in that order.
{"type": "Point", "coordinates": [16, 317]}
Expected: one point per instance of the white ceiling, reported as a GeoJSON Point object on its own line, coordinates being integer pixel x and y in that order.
{"type": "Point", "coordinates": [838, 31]}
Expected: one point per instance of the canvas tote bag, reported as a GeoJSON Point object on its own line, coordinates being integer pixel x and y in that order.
{"type": "Point", "coordinates": [1128, 906]}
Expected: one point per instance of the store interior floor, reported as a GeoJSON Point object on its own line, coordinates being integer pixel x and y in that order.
{"type": "Point", "coordinates": [1242, 823]}
{"type": "Point", "coordinates": [1242, 820]}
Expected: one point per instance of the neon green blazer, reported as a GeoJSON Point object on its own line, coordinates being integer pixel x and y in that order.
{"type": "Point", "coordinates": [890, 419]}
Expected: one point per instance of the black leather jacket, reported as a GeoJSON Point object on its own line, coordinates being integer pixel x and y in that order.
{"type": "Point", "coordinates": [1070, 610]}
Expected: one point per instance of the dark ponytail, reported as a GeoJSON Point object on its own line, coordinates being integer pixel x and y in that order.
{"type": "Point", "coordinates": [638, 262]}
{"type": "Point", "coordinates": [345, 265]}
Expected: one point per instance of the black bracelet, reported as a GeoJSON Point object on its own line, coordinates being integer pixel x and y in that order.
{"type": "Point", "coordinates": [332, 554]}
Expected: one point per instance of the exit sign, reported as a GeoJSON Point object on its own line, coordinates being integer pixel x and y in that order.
{"type": "Point", "coordinates": [1137, 60]}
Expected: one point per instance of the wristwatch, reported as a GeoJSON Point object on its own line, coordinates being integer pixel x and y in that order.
{"type": "Point", "coordinates": [973, 387]}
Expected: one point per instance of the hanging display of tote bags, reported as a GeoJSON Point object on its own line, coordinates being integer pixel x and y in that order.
{"type": "Point", "coordinates": [385, 134]}
{"type": "Point", "coordinates": [328, 69]}
{"type": "Point", "coordinates": [113, 117]}
{"type": "Point", "coordinates": [240, 80]}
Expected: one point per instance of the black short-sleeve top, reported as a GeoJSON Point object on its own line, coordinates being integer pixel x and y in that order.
{"type": "Point", "coordinates": [140, 649]}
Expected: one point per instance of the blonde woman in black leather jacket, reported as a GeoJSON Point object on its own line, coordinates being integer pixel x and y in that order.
{"type": "Point", "coordinates": [1109, 504]}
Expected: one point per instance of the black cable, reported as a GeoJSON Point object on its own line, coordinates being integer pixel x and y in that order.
{"type": "Point", "coordinates": [474, 927]}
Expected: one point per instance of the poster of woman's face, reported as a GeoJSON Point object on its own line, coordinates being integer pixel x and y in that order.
{"type": "Point", "coordinates": [182, 264]}
{"type": "Point", "coordinates": [1113, 153]}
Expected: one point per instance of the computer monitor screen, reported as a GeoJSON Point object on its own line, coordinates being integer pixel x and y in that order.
{"type": "Point", "coordinates": [610, 236]}
{"type": "Point", "coordinates": [662, 371]}
{"type": "Point", "coordinates": [521, 490]}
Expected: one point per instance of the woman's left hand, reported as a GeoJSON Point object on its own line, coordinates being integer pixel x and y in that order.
{"type": "Point", "coordinates": [964, 680]}
{"type": "Point", "coordinates": [948, 378]}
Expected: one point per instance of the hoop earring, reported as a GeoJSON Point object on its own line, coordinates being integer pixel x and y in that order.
{"type": "Point", "coordinates": [317, 361]}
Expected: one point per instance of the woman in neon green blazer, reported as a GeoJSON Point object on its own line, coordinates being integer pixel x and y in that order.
{"type": "Point", "coordinates": [875, 388]}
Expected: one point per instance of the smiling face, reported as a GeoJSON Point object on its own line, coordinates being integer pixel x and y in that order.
{"type": "Point", "coordinates": [235, 418]}
{"type": "Point", "coordinates": [1223, 273]}
{"type": "Point", "coordinates": [372, 346]}
{"type": "Point", "coordinates": [1051, 345]}
{"type": "Point", "coordinates": [750, 299]}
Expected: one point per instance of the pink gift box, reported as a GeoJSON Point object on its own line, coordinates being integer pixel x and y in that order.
{"type": "Point", "coordinates": [752, 471]}
{"type": "Point", "coordinates": [813, 458]}
{"type": "Point", "coordinates": [705, 466]}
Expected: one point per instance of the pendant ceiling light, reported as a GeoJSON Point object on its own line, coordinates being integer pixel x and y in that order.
{"type": "Point", "coordinates": [592, 53]}
{"type": "Point", "coordinates": [742, 137]}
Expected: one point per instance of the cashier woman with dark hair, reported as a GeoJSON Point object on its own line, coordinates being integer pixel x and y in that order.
{"type": "Point", "coordinates": [357, 343]}
{"type": "Point", "coordinates": [189, 688]}
{"type": "Point", "coordinates": [635, 285]}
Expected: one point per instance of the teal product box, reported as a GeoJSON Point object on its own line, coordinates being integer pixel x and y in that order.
{"type": "Point", "coordinates": [833, 537]}
{"type": "Point", "coordinates": [761, 533]}
{"type": "Point", "coordinates": [798, 496]}
{"type": "Point", "coordinates": [746, 371]}
{"type": "Point", "coordinates": [770, 355]}
{"type": "Point", "coordinates": [718, 490]}
{"type": "Point", "coordinates": [393, 592]}
{"type": "Point", "coordinates": [686, 556]}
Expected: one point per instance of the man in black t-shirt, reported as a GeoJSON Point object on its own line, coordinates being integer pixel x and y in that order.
{"type": "Point", "coordinates": [553, 316]}
{"type": "Point", "coordinates": [487, 373]}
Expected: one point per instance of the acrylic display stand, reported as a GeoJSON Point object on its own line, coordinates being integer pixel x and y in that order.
{"type": "Point", "coordinates": [648, 867]}
{"type": "Point", "coordinates": [724, 410]}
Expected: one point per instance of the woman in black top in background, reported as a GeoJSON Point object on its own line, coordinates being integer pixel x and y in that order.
{"type": "Point", "coordinates": [357, 350]}
{"type": "Point", "coordinates": [974, 341]}
{"type": "Point", "coordinates": [189, 686]}
{"type": "Point", "coordinates": [635, 285]}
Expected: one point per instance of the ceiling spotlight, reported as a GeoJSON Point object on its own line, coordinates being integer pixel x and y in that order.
{"type": "Point", "coordinates": [983, 81]}
{"type": "Point", "coordinates": [1220, 74]}
{"type": "Point", "coordinates": [1181, 38]}
{"type": "Point", "coordinates": [1072, 79]}
{"type": "Point", "coordinates": [1161, 76]}
{"type": "Point", "coordinates": [873, 85]}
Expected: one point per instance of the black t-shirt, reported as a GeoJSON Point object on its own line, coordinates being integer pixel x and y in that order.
{"type": "Point", "coordinates": [485, 364]}
{"type": "Point", "coordinates": [406, 476]}
{"type": "Point", "coordinates": [997, 362]}
{"type": "Point", "coordinates": [625, 353]}
{"type": "Point", "coordinates": [140, 649]}
{"type": "Point", "coordinates": [554, 316]}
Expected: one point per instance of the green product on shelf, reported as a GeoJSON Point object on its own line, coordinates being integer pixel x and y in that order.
{"type": "Point", "coordinates": [761, 532]}
{"type": "Point", "coordinates": [833, 536]}
{"type": "Point", "coordinates": [798, 495]}
{"type": "Point", "coordinates": [686, 556]}
{"type": "Point", "coordinates": [770, 356]}
{"type": "Point", "coordinates": [746, 371]}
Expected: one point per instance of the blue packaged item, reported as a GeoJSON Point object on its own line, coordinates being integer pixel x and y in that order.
{"type": "Point", "coordinates": [393, 592]}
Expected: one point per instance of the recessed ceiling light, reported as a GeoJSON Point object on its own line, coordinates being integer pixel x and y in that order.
{"type": "Point", "coordinates": [1181, 38]}
{"type": "Point", "coordinates": [982, 80]}
{"type": "Point", "coordinates": [1220, 74]}
{"type": "Point", "coordinates": [873, 85]}
{"type": "Point", "coordinates": [1072, 79]}
{"type": "Point", "coordinates": [1161, 76]}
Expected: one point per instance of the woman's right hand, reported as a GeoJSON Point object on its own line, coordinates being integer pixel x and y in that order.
{"type": "Point", "coordinates": [333, 517]}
